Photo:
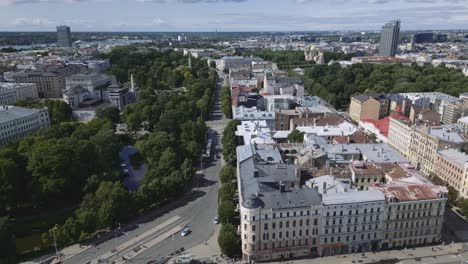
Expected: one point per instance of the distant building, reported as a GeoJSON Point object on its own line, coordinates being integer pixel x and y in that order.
{"type": "Point", "coordinates": [389, 39]}
{"type": "Point", "coordinates": [49, 79]}
{"type": "Point", "coordinates": [368, 106]}
{"type": "Point", "coordinates": [13, 92]}
{"type": "Point", "coordinates": [18, 122]}
{"type": "Point", "coordinates": [380, 60]}
{"type": "Point", "coordinates": [64, 36]}
{"type": "Point", "coordinates": [120, 96]}
{"type": "Point", "coordinates": [86, 88]}
{"type": "Point", "coordinates": [423, 37]}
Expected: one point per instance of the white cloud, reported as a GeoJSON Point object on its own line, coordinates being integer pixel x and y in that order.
{"type": "Point", "coordinates": [35, 22]}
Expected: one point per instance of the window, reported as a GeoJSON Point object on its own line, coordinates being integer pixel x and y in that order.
{"type": "Point", "coordinates": [253, 227]}
{"type": "Point", "coordinates": [265, 226]}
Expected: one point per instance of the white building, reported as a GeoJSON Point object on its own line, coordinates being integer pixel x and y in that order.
{"type": "Point", "coordinates": [13, 92]}
{"type": "Point", "coordinates": [351, 222]}
{"type": "Point", "coordinates": [18, 122]}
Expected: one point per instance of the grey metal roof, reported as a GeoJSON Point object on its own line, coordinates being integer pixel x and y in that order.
{"type": "Point", "coordinates": [11, 113]}
{"type": "Point", "coordinates": [353, 197]}
{"type": "Point", "coordinates": [260, 182]}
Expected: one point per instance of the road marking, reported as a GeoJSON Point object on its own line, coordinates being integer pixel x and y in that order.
{"type": "Point", "coordinates": [142, 248]}
{"type": "Point", "coordinates": [135, 240]}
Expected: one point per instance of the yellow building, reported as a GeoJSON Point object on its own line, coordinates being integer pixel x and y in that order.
{"type": "Point", "coordinates": [365, 106]}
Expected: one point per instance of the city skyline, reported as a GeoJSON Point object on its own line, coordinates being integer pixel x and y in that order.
{"type": "Point", "coordinates": [230, 15]}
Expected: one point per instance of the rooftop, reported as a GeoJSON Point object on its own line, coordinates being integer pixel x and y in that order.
{"type": "Point", "coordinates": [454, 156]}
{"type": "Point", "coordinates": [353, 197]}
{"type": "Point", "coordinates": [414, 192]}
{"type": "Point", "coordinates": [10, 113]}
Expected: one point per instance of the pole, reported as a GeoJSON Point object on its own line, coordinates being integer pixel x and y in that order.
{"type": "Point", "coordinates": [55, 242]}
{"type": "Point", "coordinates": [173, 244]}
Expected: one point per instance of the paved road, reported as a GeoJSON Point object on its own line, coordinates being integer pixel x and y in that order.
{"type": "Point", "coordinates": [155, 235]}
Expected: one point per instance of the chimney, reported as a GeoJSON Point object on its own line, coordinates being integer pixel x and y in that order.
{"type": "Point", "coordinates": [282, 187]}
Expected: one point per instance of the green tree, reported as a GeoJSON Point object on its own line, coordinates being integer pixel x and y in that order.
{"type": "Point", "coordinates": [227, 174]}
{"type": "Point", "coordinates": [229, 141]}
{"type": "Point", "coordinates": [226, 212]}
{"type": "Point", "coordinates": [112, 113]}
{"type": "Point", "coordinates": [296, 136]}
{"type": "Point", "coordinates": [7, 241]}
{"type": "Point", "coordinates": [229, 241]}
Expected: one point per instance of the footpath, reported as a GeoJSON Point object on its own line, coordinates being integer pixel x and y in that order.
{"type": "Point", "coordinates": [453, 253]}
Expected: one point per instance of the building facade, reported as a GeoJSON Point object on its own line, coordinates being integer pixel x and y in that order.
{"type": "Point", "coordinates": [18, 122]}
{"type": "Point", "coordinates": [414, 215]}
{"type": "Point", "coordinates": [13, 92]}
{"type": "Point", "coordinates": [351, 222]}
{"type": "Point", "coordinates": [399, 135]}
{"type": "Point", "coordinates": [389, 39]}
{"type": "Point", "coordinates": [452, 167]}
{"type": "Point", "coordinates": [64, 36]}
{"type": "Point", "coordinates": [49, 80]}
{"type": "Point", "coordinates": [365, 106]}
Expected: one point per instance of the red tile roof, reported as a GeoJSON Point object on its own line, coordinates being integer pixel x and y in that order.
{"type": "Point", "coordinates": [383, 124]}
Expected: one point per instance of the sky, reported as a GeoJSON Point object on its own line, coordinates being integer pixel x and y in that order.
{"type": "Point", "coordinates": [230, 15]}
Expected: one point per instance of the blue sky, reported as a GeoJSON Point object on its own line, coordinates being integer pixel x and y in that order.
{"type": "Point", "coordinates": [230, 15]}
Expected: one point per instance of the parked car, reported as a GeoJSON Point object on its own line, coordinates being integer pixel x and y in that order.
{"type": "Point", "coordinates": [185, 232]}
{"type": "Point", "coordinates": [216, 220]}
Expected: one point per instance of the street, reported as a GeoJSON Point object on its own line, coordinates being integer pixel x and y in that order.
{"type": "Point", "coordinates": [156, 235]}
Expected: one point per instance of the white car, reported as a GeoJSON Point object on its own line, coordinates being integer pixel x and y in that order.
{"type": "Point", "coordinates": [185, 232]}
{"type": "Point", "coordinates": [216, 220]}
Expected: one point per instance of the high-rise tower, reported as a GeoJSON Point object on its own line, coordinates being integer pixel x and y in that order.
{"type": "Point", "coordinates": [389, 38]}
{"type": "Point", "coordinates": [64, 36]}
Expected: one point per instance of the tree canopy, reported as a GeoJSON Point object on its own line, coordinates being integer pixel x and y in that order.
{"type": "Point", "coordinates": [337, 84]}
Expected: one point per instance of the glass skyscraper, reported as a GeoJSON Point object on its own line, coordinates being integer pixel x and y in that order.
{"type": "Point", "coordinates": [64, 36]}
{"type": "Point", "coordinates": [389, 38]}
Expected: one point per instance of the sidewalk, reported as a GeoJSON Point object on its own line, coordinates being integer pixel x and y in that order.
{"type": "Point", "coordinates": [453, 253]}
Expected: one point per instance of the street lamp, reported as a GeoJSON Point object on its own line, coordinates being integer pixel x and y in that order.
{"type": "Point", "coordinates": [55, 241]}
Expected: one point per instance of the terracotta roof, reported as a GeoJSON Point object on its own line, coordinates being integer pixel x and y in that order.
{"type": "Point", "coordinates": [410, 192]}
{"type": "Point", "coordinates": [383, 124]}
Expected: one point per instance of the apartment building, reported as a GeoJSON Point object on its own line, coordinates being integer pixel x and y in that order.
{"type": "Point", "coordinates": [13, 92]}
{"type": "Point", "coordinates": [49, 79]}
{"type": "Point", "coordinates": [18, 122]}
{"type": "Point", "coordinates": [452, 167]}
{"type": "Point", "coordinates": [414, 214]}
{"type": "Point", "coordinates": [351, 222]}
{"type": "Point", "coordinates": [365, 175]}
{"type": "Point", "coordinates": [400, 133]}
{"type": "Point", "coordinates": [279, 219]}
{"type": "Point", "coordinates": [454, 111]}
{"type": "Point", "coordinates": [365, 106]}
{"type": "Point", "coordinates": [426, 141]}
